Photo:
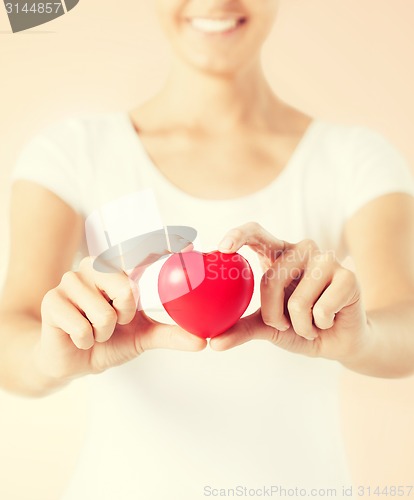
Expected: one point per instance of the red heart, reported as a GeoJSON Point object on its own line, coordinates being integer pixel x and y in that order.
{"type": "Point", "coordinates": [205, 293]}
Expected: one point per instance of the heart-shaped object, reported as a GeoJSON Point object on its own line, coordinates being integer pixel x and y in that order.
{"type": "Point", "coordinates": [205, 293]}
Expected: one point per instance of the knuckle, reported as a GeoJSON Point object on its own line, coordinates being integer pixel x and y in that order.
{"type": "Point", "coordinates": [316, 273]}
{"type": "Point", "coordinates": [80, 328]}
{"type": "Point", "coordinates": [324, 258]}
{"type": "Point", "coordinates": [236, 233]}
{"type": "Point", "coordinates": [86, 263]}
{"type": "Point", "coordinates": [126, 305]}
{"type": "Point", "coordinates": [106, 317]}
{"type": "Point", "coordinates": [83, 331]}
{"type": "Point", "coordinates": [50, 302]}
{"type": "Point", "coordinates": [306, 248]}
{"type": "Point", "coordinates": [308, 243]}
{"type": "Point", "coordinates": [347, 275]}
{"type": "Point", "coordinates": [68, 279]}
{"type": "Point", "coordinates": [125, 296]}
{"type": "Point", "coordinates": [253, 226]}
{"type": "Point", "coordinates": [297, 304]}
{"type": "Point", "coordinates": [50, 297]}
{"type": "Point", "coordinates": [322, 313]}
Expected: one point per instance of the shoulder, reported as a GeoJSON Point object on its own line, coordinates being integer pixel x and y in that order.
{"type": "Point", "coordinates": [353, 140]}
{"type": "Point", "coordinates": [64, 155]}
{"type": "Point", "coordinates": [351, 153]}
{"type": "Point", "coordinates": [79, 131]}
{"type": "Point", "coordinates": [355, 164]}
{"type": "Point", "coordinates": [366, 164]}
{"type": "Point", "coordinates": [334, 134]}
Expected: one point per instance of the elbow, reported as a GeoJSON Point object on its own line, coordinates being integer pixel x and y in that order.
{"type": "Point", "coordinates": [392, 372]}
{"type": "Point", "coordinates": [402, 372]}
{"type": "Point", "coordinates": [29, 392]}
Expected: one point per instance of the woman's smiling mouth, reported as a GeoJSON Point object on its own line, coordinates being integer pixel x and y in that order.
{"type": "Point", "coordinates": [211, 26]}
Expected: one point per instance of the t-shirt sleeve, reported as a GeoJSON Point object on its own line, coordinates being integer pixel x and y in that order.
{"type": "Point", "coordinates": [376, 168]}
{"type": "Point", "coordinates": [49, 159]}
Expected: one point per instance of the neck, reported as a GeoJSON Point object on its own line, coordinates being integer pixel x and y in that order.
{"type": "Point", "coordinates": [218, 103]}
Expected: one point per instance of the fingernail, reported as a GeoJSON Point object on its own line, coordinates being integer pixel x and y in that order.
{"type": "Point", "coordinates": [226, 244]}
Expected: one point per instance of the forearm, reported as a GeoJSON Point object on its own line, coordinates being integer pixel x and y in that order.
{"type": "Point", "coordinates": [389, 350]}
{"type": "Point", "coordinates": [19, 338]}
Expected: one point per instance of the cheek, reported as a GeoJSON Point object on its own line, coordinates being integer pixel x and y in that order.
{"type": "Point", "coordinates": [169, 14]}
{"type": "Point", "coordinates": [257, 33]}
{"type": "Point", "coordinates": [266, 7]}
{"type": "Point", "coordinates": [263, 15]}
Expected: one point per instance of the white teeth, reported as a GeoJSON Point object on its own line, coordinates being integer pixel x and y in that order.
{"type": "Point", "coordinates": [213, 25]}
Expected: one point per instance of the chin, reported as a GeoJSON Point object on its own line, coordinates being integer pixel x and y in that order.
{"type": "Point", "coordinates": [215, 65]}
{"type": "Point", "coordinates": [215, 69]}
{"type": "Point", "coordinates": [217, 46]}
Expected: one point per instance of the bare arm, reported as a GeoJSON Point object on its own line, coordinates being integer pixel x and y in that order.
{"type": "Point", "coordinates": [364, 320]}
{"type": "Point", "coordinates": [381, 239]}
{"type": "Point", "coordinates": [57, 324]}
{"type": "Point", "coordinates": [44, 236]}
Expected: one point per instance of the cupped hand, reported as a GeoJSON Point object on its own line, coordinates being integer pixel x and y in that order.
{"type": "Point", "coordinates": [310, 303]}
{"type": "Point", "coordinates": [93, 320]}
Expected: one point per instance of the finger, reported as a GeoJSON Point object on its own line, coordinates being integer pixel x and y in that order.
{"type": "Point", "coordinates": [173, 244]}
{"type": "Point", "coordinates": [155, 335]}
{"type": "Point", "coordinates": [342, 292]}
{"type": "Point", "coordinates": [67, 319]}
{"type": "Point", "coordinates": [92, 303]}
{"type": "Point", "coordinates": [252, 328]}
{"type": "Point", "coordinates": [136, 273]}
{"type": "Point", "coordinates": [316, 277]}
{"type": "Point", "coordinates": [118, 288]}
{"type": "Point", "coordinates": [286, 269]}
{"type": "Point", "coordinates": [257, 238]}
{"type": "Point", "coordinates": [248, 328]}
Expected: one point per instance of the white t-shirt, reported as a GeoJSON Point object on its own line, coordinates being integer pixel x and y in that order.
{"type": "Point", "coordinates": [176, 425]}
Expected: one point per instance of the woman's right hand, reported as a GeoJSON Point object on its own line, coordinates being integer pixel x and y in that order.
{"type": "Point", "coordinates": [91, 321]}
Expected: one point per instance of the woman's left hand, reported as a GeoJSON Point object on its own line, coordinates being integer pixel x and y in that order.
{"type": "Point", "coordinates": [310, 304]}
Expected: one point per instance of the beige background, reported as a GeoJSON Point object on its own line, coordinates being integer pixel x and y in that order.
{"type": "Point", "coordinates": [350, 61]}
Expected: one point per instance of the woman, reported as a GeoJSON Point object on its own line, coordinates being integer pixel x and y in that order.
{"type": "Point", "coordinates": [218, 149]}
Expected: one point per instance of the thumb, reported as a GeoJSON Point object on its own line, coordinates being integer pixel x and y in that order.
{"type": "Point", "coordinates": [157, 335]}
{"type": "Point", "coordinates": [248, 328]}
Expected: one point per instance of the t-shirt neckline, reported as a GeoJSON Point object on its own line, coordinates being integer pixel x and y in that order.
{"type": "Point", "coordinates": [277, 181]}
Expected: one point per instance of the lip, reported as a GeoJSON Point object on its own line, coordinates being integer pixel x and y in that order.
{"type": "Point", "coordinates": [196, 24]}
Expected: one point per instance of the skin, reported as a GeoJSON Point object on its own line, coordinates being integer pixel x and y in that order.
{"type": "Point", "coordinates": [218, 115]}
